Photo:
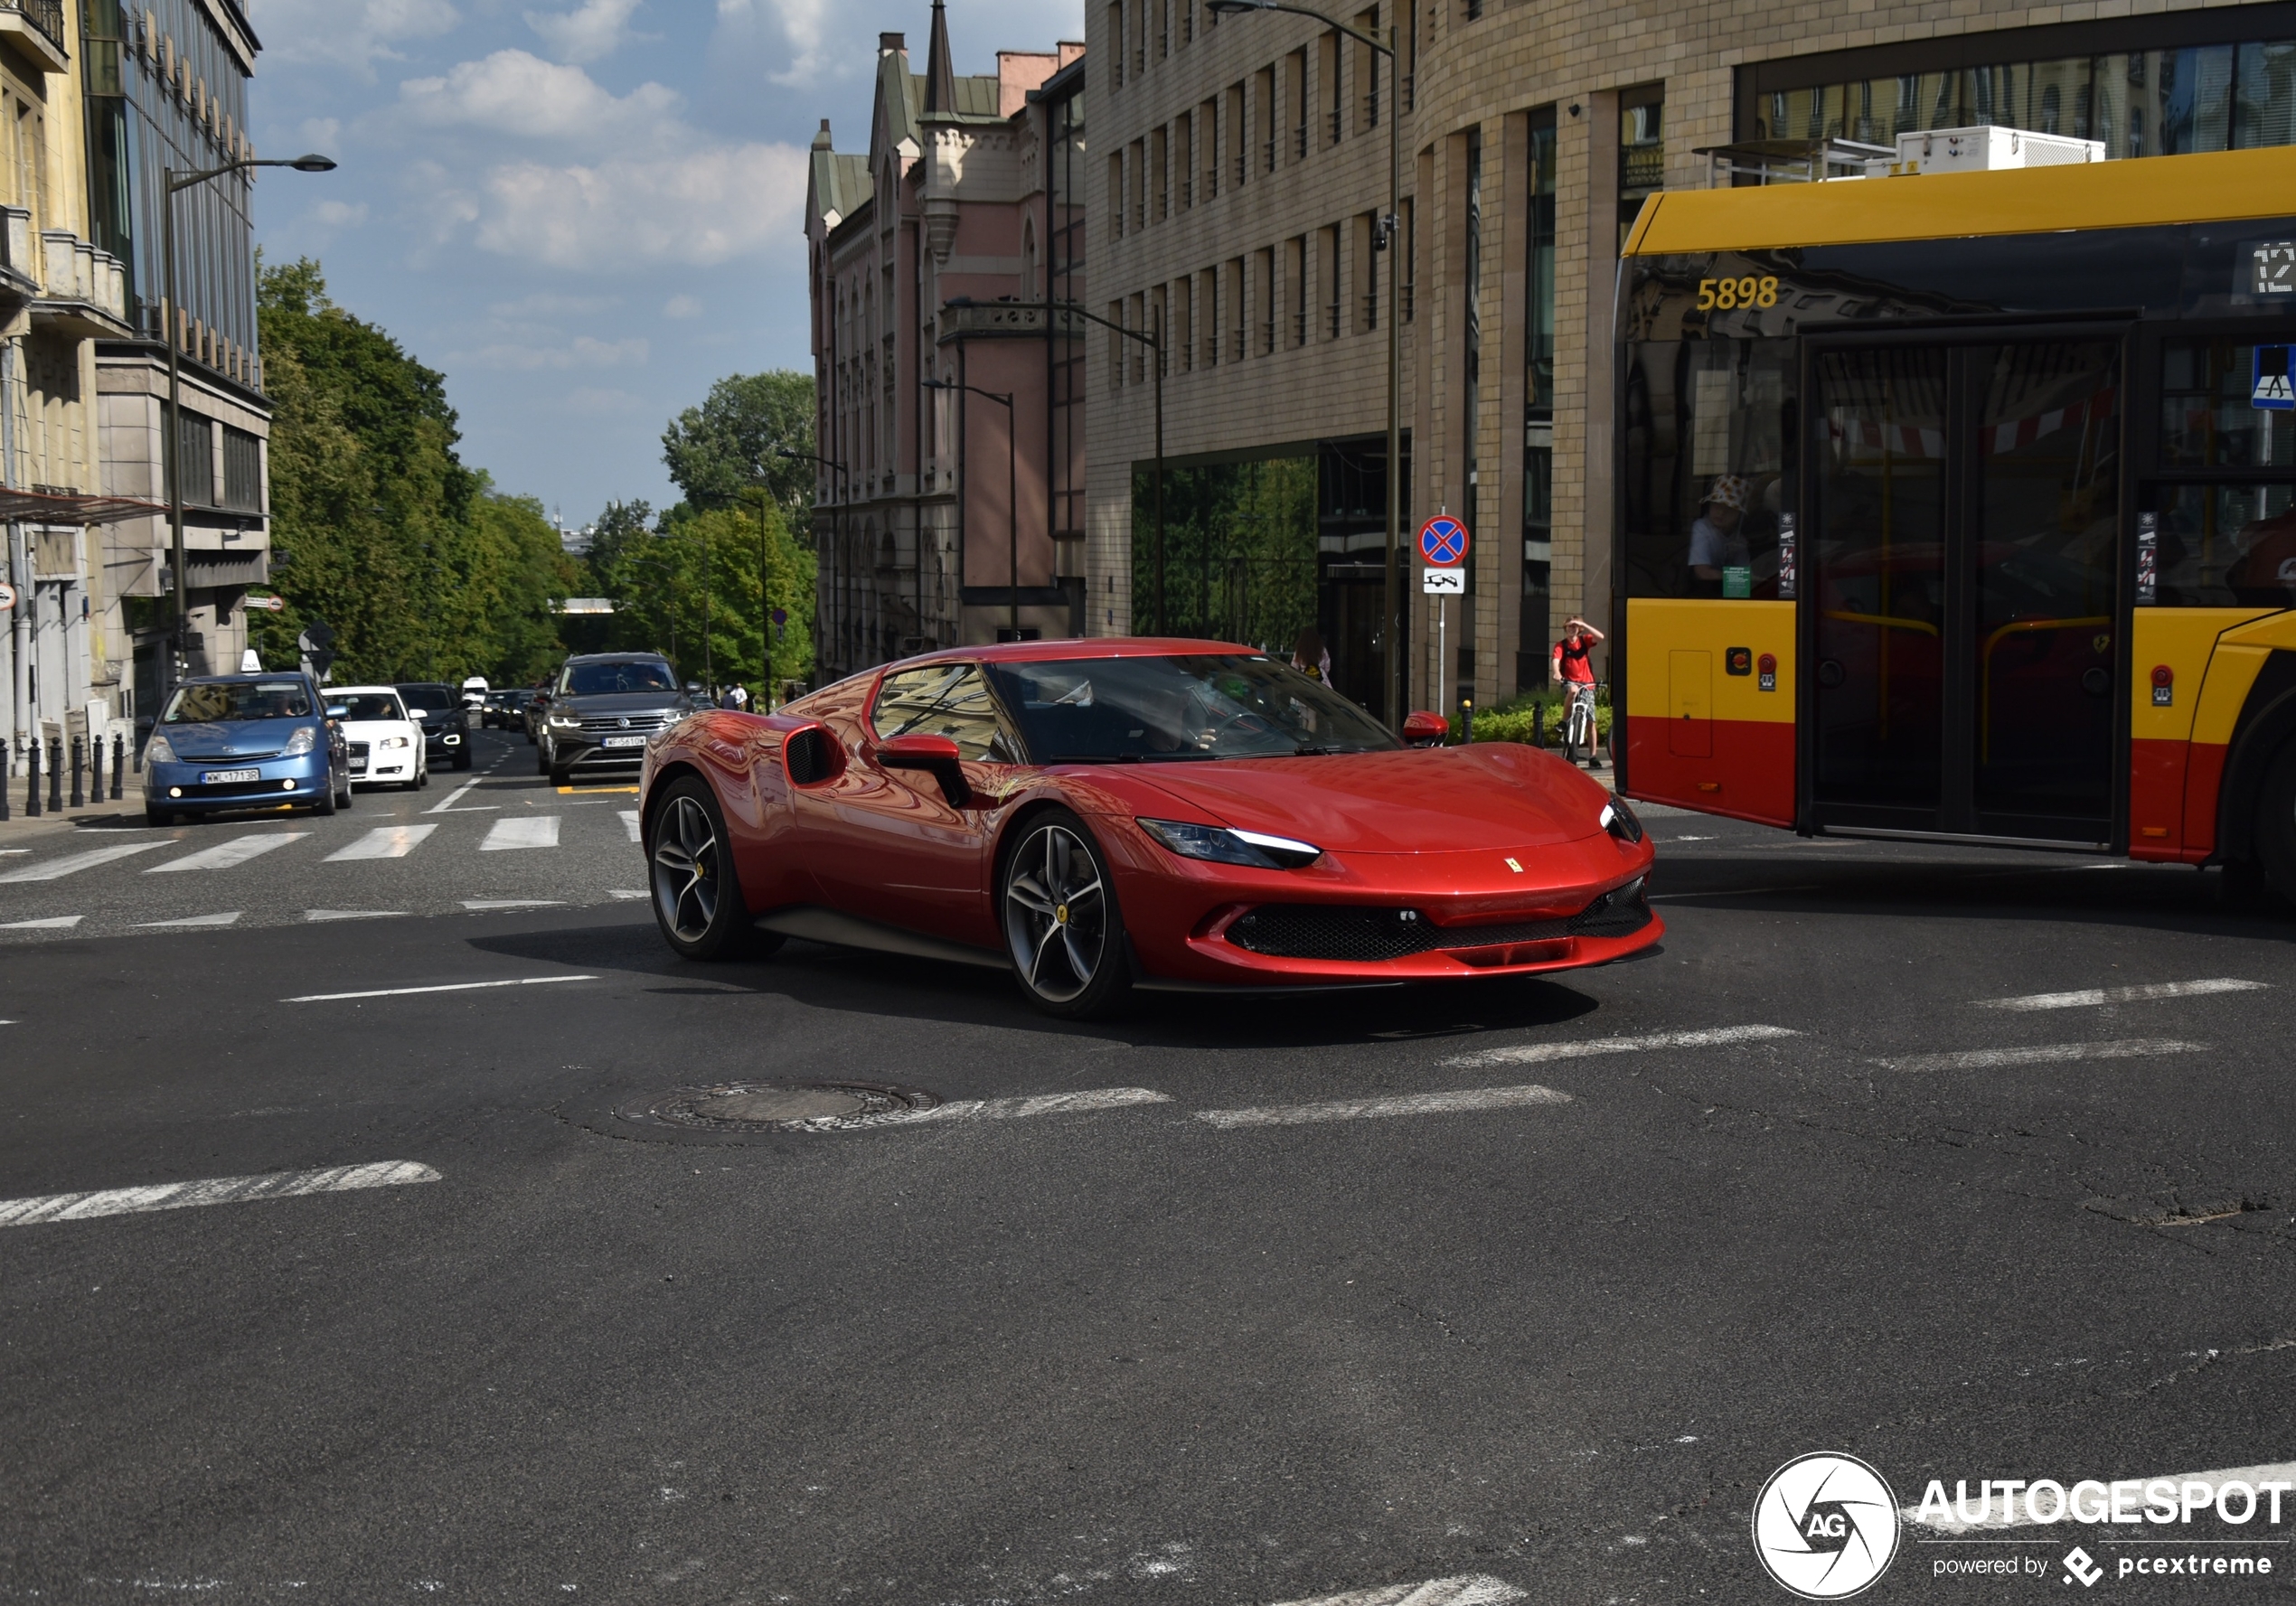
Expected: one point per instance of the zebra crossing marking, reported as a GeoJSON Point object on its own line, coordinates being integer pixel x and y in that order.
{"type": "Point", "coordinates": [515, 831]}
{"type": "Point", "coordinates": [225, 856]}
{"type": "Point", "coordinates": [71, 864]}
{"type": "Point", "coordinates": [385, 841]}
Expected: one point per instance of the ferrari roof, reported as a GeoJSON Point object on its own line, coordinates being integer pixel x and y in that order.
{"type": "Point", "coordinates": [1096, 646]}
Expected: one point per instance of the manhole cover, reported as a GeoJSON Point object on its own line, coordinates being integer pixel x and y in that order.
{"type": "Point", "coordinates": [737, 1107]}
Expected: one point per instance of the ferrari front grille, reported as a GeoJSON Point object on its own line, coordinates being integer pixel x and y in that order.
{"type": "Point", "coordinates": [1360, 935]}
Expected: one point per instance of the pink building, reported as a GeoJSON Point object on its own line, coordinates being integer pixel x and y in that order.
{"type": "Point", "coordinates": [973, 188]}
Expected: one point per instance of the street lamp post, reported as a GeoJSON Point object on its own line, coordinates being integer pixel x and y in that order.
{"type": "Point", "coordinates": [1013, 482]}
{"type": "Point", "coordinates": [1155, 344]}
{"type": "Point", "coordinates": [171, 447]}
{"type": "Point", "coordinates": [1392, 672]}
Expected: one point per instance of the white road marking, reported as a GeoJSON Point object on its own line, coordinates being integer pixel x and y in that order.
{"type": "Point", "coordinates": [2019, 1515]}
{"type": "Point", "coordinates": [7, 852]}
{"type": "Point", "coordinates": [351, 914]}
{"type": "Point", "coordinates": [1407, 1104]}
{"type": "Point", "coordinates": [1985, 1059]}
{"type": "Point", "coordinates": [512, 903]}
{"type": "Point", "coordinates": [327, 998]}
{"type": "Point", "coordinates": [2145, 993]}
{"type": "Point", "coordinates": [237, 851]}
{"type": "Point", "coordinates": [535, 830]}
{"type": "Point", "coordinates": [1584, 1047]}
{"type": "Point", "coordinates": [221, 1190]}
{"type": "Point", "coordinates": [447, 805]}
{"type": "Point", "coordinates": [625, 892]}
{"type": "Point", "coordinates": [71, 864]}
{"type": "Point", "coordinates": [224, 919]}
{"type": "Point", "coordinates": [630, 822]}
{"type": "Point", "coordinates": [54, 922]}
{"type": "Point", "coordinates": [1042, 1103]}
{"type": "Point", "coordinates": [386, 841]}
{"type": "Point", "coordinates": [1467, 1589]}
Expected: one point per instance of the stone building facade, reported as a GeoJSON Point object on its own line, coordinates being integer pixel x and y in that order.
{"type": "Point", "coordinates": [103, 96]}
{"type": "Point", "coordinates": [1240, 164]}
{"type": "Point", "coordinates": [945, 516]}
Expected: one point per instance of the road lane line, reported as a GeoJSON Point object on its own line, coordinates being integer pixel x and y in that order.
{"type": "Point", "coordinates": [71, 864]}
{"type": "Point", "coordinates": [327, 998]}
{"type": "Point", "coordinates": [447, 805]}
{"type": "Point", "coordinates": [1986, 1059]}
{"type": "Point", "coordinates": [630, 822]}
{"type": "Point", "coordinates": [482, 904]}
{"type": "Point", "coordinates": [221, 1190]}
{"type": "Point", "coordinates": [54, 922]}
{"type": "Point", "coordinates": [2019, 1515]}
{"type": "Point", "coordinates": [1467, 1589]}
{"type": "Point", "coordinates": [385, 841]}
{"type": "Point", "coordinates": [316, 914]}
{"type": "Point", "coordinates": [533, 830]}
{"type": "Point", "coordinates": [224, 855]}
{"type": "Point", "coordinates": [2146, 993]}
{"type": "Point", "coordinates": [1584, 1047]}
{"type": "Point", "coordinates": [1408, 1103]}
{"type": "Point", "coordinates": [1021, 1109]}
{"type": "Point", "coordinates": [227, 918]}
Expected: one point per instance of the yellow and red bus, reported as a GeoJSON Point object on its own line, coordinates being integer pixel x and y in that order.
{"type": "Point", "coordinates": [1963, 507]}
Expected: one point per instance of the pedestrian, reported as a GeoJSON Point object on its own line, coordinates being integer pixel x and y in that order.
{"type": "Point", "coordinates": [1311, 657]}
{"type": "Point", "coordinates": [1719, 537]}
{"type": "Point", "coordinates": [736, 698]}
{"type": "Point", "coordinates": [1572, 670]}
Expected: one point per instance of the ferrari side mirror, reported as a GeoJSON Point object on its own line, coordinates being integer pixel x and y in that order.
{"type": "Point", "coordinates": [1423, 730]}
{"type": "Point", "coordinates": [937, 755]}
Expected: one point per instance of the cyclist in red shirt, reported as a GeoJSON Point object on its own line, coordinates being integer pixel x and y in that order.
{"type": "Point", "coordinates": [1576, 674]}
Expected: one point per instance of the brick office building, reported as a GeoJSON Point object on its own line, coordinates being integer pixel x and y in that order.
{"type": "Point", "coordinates": [970, 188]}
{"type": "Point", "coordinates": [1240, 163]}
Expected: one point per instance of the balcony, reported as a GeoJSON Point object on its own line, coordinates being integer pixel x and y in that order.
{"type": "Point", "coordinates": [38, 28]}
{"type": "Point", "coordinates": [1007, 320]}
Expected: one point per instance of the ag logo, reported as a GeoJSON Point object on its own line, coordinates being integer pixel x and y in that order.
{"type": "Point", "coordinates": [1825, 1525]}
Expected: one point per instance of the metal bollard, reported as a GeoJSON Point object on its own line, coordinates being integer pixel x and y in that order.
{"type": "Point", "coordinates": [32, 789]}
{"type": "Point", "coordinates": [119, 767]}
{"type": "Point", "coordinates": [55, 775]}
{"type": "Point", "coordinates": [95, 769]}
{"type": "Point", "coordinates": [1538, 725]}
{"type": "Point", "coordinates": [78, 772]}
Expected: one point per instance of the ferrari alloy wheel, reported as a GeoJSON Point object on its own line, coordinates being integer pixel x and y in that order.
{"type": "Point", "coordinates": [697, 895]}
{"type": "Point", "coordinates": [1061, 923]}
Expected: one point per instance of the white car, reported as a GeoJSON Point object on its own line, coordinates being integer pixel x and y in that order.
{"type": "Point", "coordinates": [385, 744]}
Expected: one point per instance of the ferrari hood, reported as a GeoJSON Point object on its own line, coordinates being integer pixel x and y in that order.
{"type": "Point", "coordinates": [1498, 796]}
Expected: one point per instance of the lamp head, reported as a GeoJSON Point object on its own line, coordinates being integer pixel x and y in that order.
{"type": "Point", "coordinates": [939, 385]}
{"type": "Point", "coordinates": [313, 162]}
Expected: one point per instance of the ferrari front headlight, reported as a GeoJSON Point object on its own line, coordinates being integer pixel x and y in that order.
{"type": "Point", "coordinates": [1222, 844]}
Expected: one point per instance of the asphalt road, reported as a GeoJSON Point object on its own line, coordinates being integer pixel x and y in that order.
{"type": "Point", "coordinates": [1202, 1338]}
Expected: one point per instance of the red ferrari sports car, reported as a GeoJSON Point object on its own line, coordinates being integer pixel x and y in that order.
{"type": "Point", "coordinates": [1101, 815]}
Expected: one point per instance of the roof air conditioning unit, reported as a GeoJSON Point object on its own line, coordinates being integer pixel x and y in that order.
{"type": "Point", "coordinates": [1984, 149]}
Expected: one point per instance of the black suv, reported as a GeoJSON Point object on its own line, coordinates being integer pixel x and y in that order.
{"type": "Point", "coordinates": [437, 707]}
{"type": "Point", "coordinates": [602, 709]}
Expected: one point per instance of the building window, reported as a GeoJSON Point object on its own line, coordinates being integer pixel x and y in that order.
{"type": "Point", "coordinates": [242, 471]}
{"type": "Point", "coordinates": [1539, 410]}
{"type": "Point", "coordinates": [195, 459]}
{"type": "Point", "coordinates": [1471, 370]}
{"type": "Point", "coordinates": [1641, 150]}
{"type": "Point", "coordinates": [1116, 38]}
{"type": "Point", "coordinates": [1295, 271]}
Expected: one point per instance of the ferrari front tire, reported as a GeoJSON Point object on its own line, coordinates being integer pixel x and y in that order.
{"type": "Point", "coordinates": [1062, 928]}
{"type": "Point", "coordinates": [696, 893]}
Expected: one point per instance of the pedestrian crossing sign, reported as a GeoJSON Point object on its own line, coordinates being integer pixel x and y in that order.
{"type": "Point", "coordinates": [2273, 391]}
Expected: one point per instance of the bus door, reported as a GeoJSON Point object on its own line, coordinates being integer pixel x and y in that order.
{"type": "Point", "coordinates": [1961, 610]}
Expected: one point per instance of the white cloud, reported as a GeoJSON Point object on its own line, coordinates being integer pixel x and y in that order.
{"type": "Point", "coordinates": [340, 214]}
{"type": "Point", "coordinates": [700, 208]}
{"type": "Point", "coordinates": [601, 402]}
{"type": "Point", "coordinates": [584, 352]}
{"type": "Point", "coordinates": [547, 304]}
{"type": "Point", "coordinates": [349, 34]}
{"type": "Point", "coordinates": [513, 92]}
{"type": "Point", "coordinates": [591, 33]}
{"type": "Point", "coordinates": [681, 307]}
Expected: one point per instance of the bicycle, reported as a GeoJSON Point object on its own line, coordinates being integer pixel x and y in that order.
{"type": "Point", "coordinates": [1578, 727]}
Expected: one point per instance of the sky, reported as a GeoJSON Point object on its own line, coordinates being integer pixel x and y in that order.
{"type": "Point", "coordinates": [581, 212]}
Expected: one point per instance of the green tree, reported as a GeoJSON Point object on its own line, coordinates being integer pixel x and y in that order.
{"type": "Point", "coordinates": [723, 568]}
{"type": "Point", "coordinates": [723, 451]}
{"type": "Point", "coordinates": [378, 526]}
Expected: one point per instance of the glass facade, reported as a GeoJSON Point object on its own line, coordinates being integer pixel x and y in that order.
{"type": "Point", "coordinates": [1538, 408]}
{"type": "Point", "coordinates": [2139, 103]}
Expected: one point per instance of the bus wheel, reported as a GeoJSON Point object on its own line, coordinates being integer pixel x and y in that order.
{"type": "Point", "coordinates": [2275, 831]}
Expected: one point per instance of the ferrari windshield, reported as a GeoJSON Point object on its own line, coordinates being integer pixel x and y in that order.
{"type": "Point", "coordinates": [1110, 710]}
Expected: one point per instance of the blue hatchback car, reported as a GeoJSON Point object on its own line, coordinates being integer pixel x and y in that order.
{"type": "Point", "coordinates": [245, 742]}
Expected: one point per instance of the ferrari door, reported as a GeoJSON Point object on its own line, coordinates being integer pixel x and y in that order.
{"type": "Point", "coordinates": [891, 845]}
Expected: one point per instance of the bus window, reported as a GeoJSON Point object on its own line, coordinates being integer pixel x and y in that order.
{"type": "Point", "coordinates": [1708, 439]}
{"type": "Point", "coordinates": [2209, 416]}
{"type": "Point", "coordinates": [2226, 546]}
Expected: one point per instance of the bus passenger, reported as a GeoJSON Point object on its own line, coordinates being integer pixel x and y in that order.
{"type": "Point", "coordinates": [1717, 540]}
